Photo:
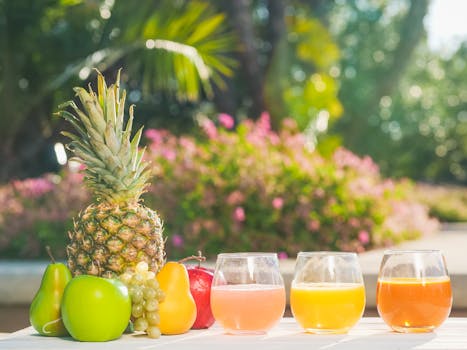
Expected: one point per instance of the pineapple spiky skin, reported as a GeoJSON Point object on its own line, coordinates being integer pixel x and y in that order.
{"type": "Point", "coordinates": [108, 240]}
{"type": "Point", "coordinates": [117, 231]}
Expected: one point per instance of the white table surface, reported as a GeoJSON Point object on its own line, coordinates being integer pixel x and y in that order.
{"type": "Point", "coordinates": [369, 333]}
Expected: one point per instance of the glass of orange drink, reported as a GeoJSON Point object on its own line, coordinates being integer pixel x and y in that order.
{"type": "Point", "coordinates": [247, 292]}
{"type": "Point", "coordinates": [413, 292]}
{"type": "Point", "coordinates": [327, 295]}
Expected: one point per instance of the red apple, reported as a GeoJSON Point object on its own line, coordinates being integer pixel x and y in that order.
{"type": "Point", "coordinates": [200, 287]}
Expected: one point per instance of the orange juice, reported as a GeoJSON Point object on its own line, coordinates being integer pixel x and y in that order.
{"type": "Point", "coordinates": [327, 307]}
{"type": "Point", "coordinates": [247, 307]}
{"type": "Point", "coordinates": [411, 303]}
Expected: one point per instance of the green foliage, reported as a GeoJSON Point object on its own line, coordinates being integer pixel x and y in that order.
{"type": "Point", "coordinates": [376, 39]}
{"type": "Point", "coordinates": [304, 67]}
{"type": "Point", "coordinates": [318, 94]}
{"type": "Point", "coordinates": [30, 33]}
{"type": "Point", "coordinates": [425, 122]}
{"type": "Point", "coordinates": [323, 52]}
{"type": "Point", "coordinates": [47, 46]}
{"type": "Point", "coordinates": [178, 47]}
{"type": "Point", "coordinates": [404, 105]}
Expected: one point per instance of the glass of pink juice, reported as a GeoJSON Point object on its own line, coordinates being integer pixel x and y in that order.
{"type": "Point", "coordinates": [247, 293]}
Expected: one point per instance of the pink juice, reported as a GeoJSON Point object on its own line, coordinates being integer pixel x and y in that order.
{"type": "Point", "coordinates": [248, 307]}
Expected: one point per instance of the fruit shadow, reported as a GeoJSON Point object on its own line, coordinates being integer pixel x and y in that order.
{"type": "Point", "coordinates": [191, 340]}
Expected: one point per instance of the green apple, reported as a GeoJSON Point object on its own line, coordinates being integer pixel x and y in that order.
{"type": "Point", "coordinates": [95, 308]}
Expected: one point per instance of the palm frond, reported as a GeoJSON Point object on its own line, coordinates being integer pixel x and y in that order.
{"type": "Point", "coordinates": [182, 49]}
{"type": "Point", "coordinates": [187, 46]}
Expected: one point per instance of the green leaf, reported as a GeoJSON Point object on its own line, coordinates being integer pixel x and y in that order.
{"type": "Point", "coordinates": [209, 27]}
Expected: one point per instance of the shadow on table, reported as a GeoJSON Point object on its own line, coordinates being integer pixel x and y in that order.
{"type": "Point", "coordinates": [354, 341]}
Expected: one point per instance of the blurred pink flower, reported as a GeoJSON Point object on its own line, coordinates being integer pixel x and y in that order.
{"type": "Point", "coordinates": [274, 139]}
{"type": "Point", "coordinates": [364, 237]}
{"type": "Point", "coordinates": [33, 188]}
{"type": "Point", "coordinates": [410, 216]}
{"type": "Point", "coordinates": [314, 225]}
{"type": "Point", "coordinates": [209, 128]}
{"type": "Point", "coordinates": [264, 122]}
{"type": "Point", "coordinates": [319, 193]}
{"type": "Point", "coordinates": [345, 158]}
{"type": "Point", "coordinates": [76, 178]}
{"type": "Point", "coordinates": [235, 198]}
{"type": "Point", "coordinates": [153, 135]}
{"type": "Point", "coordinates": [169, 154]}
{"type": "Point", "coordinates": [278, 203]}
{"type": "Point", "coordinates": [282, 255]}
{"type": "Point", "coordinates": [211, 226]}
{"type": "Point", "coordinates": [177, 241]}
{"type": "Point", "coordinates": [187, 143]}
{"type": "Point", "coordinates": [256, 138]}
{"type": "Point", "coordinates": [290, 124]}
{"type": "Point", "coordinates": [354, 222]}
{"type": "Point", "coordinates": [389, 184]}
{"type": "Point", "coordinates": [239, 214]}
{"type": "Point", "coordinates": [226, 120]}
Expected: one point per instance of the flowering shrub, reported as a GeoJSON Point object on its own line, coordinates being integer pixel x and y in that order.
{"type": "Point", "coordinates": [253, 189]}
{"type": "Point", "coordinates": [249, 189]}
{"type": "Point", "coordinates": [38, 212]}
{"type": "Point", "coordinates": [447, 203]}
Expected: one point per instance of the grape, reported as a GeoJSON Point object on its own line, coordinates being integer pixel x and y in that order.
{"type": "Point", "coordinates": [136, 294]}
{"type": "Point", "coordinates": [160, 295]}
{"type": "Point", "coordinates": [151, 305]}
{"type": "Point", "coordinates": [153, 332]}
{"type": "Point", "coordinates": [145, 294]}
{"type": "Point", "coordinates": [142, 267]}
{"type": "Point", "coordinates": [152, 283]}
{"type": "Point", "coordinates": [131, 291]}
{"type": "Point", "coordinates": [137, 310]}
{"type": "Point", "coordinates": [137, 279]}
{"type": "Point", "coordinates": [141, 324]}
{"type": "Point", "coordinates": [149, 293]}
{"type": "Point", "coordinates": [126, 278]}
{"type": "Point", "coordinates": [153, 318]}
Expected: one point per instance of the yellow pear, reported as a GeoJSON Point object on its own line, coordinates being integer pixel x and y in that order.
{"type": "Point", "coordinates": [178, 310]}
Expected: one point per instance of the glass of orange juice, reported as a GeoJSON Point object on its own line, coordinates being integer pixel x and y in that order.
{"type": "Point", "coordinates": [413, 292]}
{"type": "Point", "coordinates": [247, 292]}
{"type": "Point", "coordinates": [327, 295]}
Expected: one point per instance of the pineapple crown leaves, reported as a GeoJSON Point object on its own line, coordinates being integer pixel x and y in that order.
{"type": "Point", "coordinates": [115, 170]}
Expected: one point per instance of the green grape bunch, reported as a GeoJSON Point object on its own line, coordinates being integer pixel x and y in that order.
{"type": "Point", "coordinates": [145, 297]}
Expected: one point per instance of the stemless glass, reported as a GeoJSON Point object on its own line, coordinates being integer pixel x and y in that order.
{"type": "Point", "coordinates": [413, 292]}
{"type": "Point", "coordinates": [247, 293]}
{"type": "Point", "coordinates": [327, 294]}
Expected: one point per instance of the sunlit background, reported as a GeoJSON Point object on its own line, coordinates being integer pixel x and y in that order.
{"type": "Point", "coordinates": [446, 26]}
{"type": "Point", "coordinates": [376, 91]}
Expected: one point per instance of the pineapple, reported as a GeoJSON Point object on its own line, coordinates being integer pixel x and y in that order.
{"type": "Point", "coordinates": [117, 231]}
